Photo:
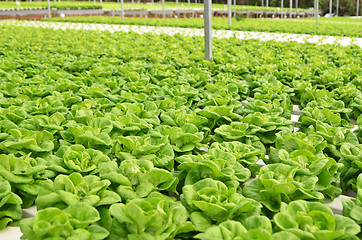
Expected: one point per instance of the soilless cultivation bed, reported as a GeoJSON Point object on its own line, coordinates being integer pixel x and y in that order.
{"type": "Point", "coordinates": [135, 136]}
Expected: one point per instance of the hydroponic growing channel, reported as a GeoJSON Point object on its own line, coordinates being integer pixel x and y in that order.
{"type": "Point", "coordinates": [115, 135]}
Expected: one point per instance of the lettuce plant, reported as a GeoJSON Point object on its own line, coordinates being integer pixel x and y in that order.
{"type": "Point", "coordinates": [23, 141]}
{"type": "Point", "coordinates": [334, 106]}
{"type": "Point", "coordinates": [10, 204]}
{"type": "Point", "coordinates": [311, 165]}
{"type": "Point", "coordinates": [67, 190]}
{"type": "Point", "coordinates": [129, 124]}
{"type": "Point", "coordinates": [53, 123]}
{"type": "Point", "coordinates": [95, 135]}
{"type": "Point", "coordinates": [219, 115]}
{"type": "Point", "coordinates": [23, 174]}
{"type": "Point", "coordinates": [312, 116]}
{"type": "Point", "coordinates": [352, 165]}
{"type": "Point", "coordinates": [137, 178]}
{"type": "Point", "coordinates": [271, 107]}
{"type": "Point", "coordinates": [147, 111]}
{"type": "Point", "coordinates": [334, 136]}
{"type": "Point", "coordinates": [154, 217]}
{"type": "Point", "coordinates": [178, 117]}
{"type": "Point", "coordinates": [77, 221]}
{"type": "Point", "coordinates": [357, 105]}
{"type": "Point", "coordinates": [358, 132]}
{"type": "Point", "coordinates": [255, 227]}
{"type": "Point", "coordinates": [313, 220]}
{"type": "Point", "coordinates": [76, 158]}
{"type": "Point", "coordinates": [254, 126]}
{"type": "Point", "coordinates": [216, 164]}
{"type": "Point", "coordinates": [352, 208]}
{"type": "Point", "coordinates": [183, 139]}
{"type": "Point", "coordinates": [211, 201]}
{"type": "Point", "coordinates": [154, 147]}
{"type": "Point", "coordinates": [240, 132]}
{"type": "Point", "coordinates": [297, 141]}
{"type": "Point", "coordinates": [279, 183]}
{"type": "Point", "coordinates": [245, 154]}
{"type": "Point", "coordinates": [48, 105]}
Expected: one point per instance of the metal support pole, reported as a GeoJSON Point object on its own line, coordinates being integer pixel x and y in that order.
{"type": "Point", "coordinates": [176, 3]}
{"type": "Point", "coordinates": [196, 3]}
{"type": "Point", "coordinates": [357, 12]}
{"type": "Point", "coordinates": [188, 2]}
{"type": "Point", "coordinates": [101, 2]}
{"type": "Point", "coordinates": [267, 3]}
{"type": "Point", "coordinates": [282, 9]}
{"type": "Point", "coordinates": [49, 12]}
{"type": "Point", "coordinates": [316, 11]}
{"type": "Point", "coordinates": [229, 12]}
{"type": "Point", "coordinates": [262, 3]}
{"type": "Point", "coordinates": [296, 3]}
{"type": "Point", "coordinates": [163, 9]}
{"type": "Point", "coordinates": [290, 11]}
{"type": "Point", "coordinates": [337, 8]}
{"type": "Point", "coordinates": [330, 10]}
{"type": "Point", "coordinates": [122, 10]}
{"type": "Point", "coordinates": [94, 2]}
{"type": "Point", "coordinates": [208, 29]}
{"type": "Point", "coordinates": [234, 8]}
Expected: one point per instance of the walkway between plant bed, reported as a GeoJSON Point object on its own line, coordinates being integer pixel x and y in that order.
{"type": "Point", "coordinates": [263, 36]}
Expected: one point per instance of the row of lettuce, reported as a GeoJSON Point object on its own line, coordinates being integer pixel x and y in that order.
{"type": "Point", "coordinates": [127, 136]}
{"type": "Point", "coordinates": [341, 26]}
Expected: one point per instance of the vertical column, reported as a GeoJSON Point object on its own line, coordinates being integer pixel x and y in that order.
{"type": "Point", "coordinates": [282, 8]}
{"type": "Point", "coordinates": [357, 12]}
{"type": "Point", "coordinates": [163, 9]}
{"type": "Point", "coordinates": [229, 12]}
{"type": "Point", "coordinates": [316, 11]}
{"type": "Point", "coordinates": [208, 29]}
{"type": "Point", "coordinates": [337, 8]}
{"type": "Point", "coordinates": [234, 8]}
{"type": "Point", "coordinates": [49, 12]}
{"type": "Point", "coordinates": [290, 11]}
{"type": "Point", "coordinates": [330, 10]}
{"type": "Point", "coordinates": [122, 10]}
